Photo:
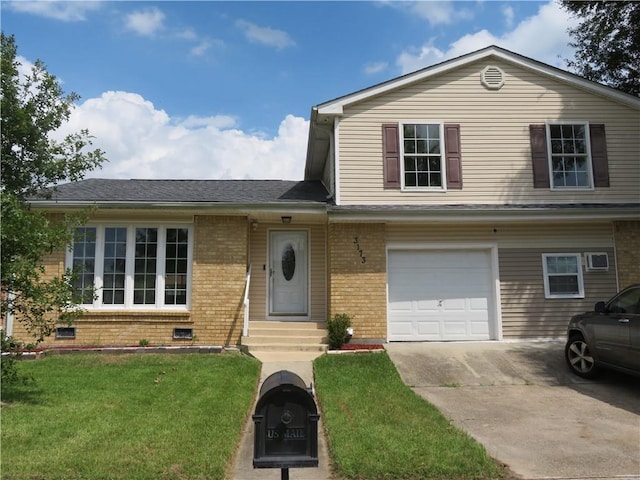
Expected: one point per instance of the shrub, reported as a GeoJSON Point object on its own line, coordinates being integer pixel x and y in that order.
{"type": "Point", "coordinates": [10, 350]}
{"type": "Point", "coordinates": [337, 327]}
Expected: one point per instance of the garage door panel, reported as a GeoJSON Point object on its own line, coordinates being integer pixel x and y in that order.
{"type": "Point", "coordinates": [426, 305]}
{"type": "Point", "coordinates": [439, 295]}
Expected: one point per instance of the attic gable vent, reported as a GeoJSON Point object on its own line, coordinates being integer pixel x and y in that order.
{"type": "Point", "coordinates": [492, 78]}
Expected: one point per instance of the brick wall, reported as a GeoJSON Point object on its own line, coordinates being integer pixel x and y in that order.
{"type": "Point", "coordinates": [217, 312]}
{"type": "Point", "coordinates": [357, 277]}
{"type": "Point", "coordinates": [219, 275]}
{"type": "Point", "coordinates": [627, 238]}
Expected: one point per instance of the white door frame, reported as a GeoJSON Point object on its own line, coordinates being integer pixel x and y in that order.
{"type": "Point", "coordinates": [495, 326]}
{"type": "Point", "coordinates": [274, 262]}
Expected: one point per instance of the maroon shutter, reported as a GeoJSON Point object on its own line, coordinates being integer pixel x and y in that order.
{"type": "Point", "coordinates": [539, 157]}
{"type": "Point", "coordinates": [599, 161]}
{"type": "Point", "coordinates": [453, 156]}
{"type": "Point", "coordinates": [391, 155]}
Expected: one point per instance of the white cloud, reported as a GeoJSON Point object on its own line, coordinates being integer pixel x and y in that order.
{"type": "Point", "coordinates": [542, 36]}
{"type": "Point", "coordinates": [145, 22]}
{"type": "Point", "coordinates": [376, 67]}
{"type": "Point", "coordinates": [187, 34]}
{"type": "Point", "coordinates": [75, 11]}
{"type": "Point", "coordinates": [201, 48]}
{"type": "Point", "coordinates": [509, 15]}
{"type": "Point", "coordinates": [141, 141]}
{"type": "Point", "coordinates": [441, 12]}
{"type": "Point", "coordinates": [265, 35]}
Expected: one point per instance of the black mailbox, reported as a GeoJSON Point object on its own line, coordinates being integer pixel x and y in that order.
{"type": "Point", "coordinates": [285, 424]}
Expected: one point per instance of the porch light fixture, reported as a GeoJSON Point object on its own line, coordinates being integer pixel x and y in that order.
{"type": "Point", "coordinates": [254, 225]}
{"type": "Point", "coordinates": [286, 220]}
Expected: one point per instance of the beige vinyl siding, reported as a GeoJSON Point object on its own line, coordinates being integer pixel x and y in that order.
{"type": "Point", "coordinates": [526, 313]}
{"type": "Point", "coordinates": [259, 306]}
{"type": "Point", "coordinates": [546, 234]}
{"type": "Point", "coordinates": [494, 130]}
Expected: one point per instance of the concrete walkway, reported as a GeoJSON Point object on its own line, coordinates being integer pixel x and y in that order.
{"type": "Point", "coordinates": [300, 364]}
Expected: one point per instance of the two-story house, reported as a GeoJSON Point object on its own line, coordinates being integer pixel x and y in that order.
{"type": "Point", "coordinates": [488, 197]}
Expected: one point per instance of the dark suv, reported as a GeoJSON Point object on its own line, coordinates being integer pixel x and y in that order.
{"type": "Point", "coordinates": [608, 337]}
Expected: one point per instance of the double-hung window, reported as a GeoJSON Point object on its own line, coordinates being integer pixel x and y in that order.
{"type": "Point", "coordinates": [563, 275]}
{"type": "Point", "coordinates": [422, 159]}
{"type": "Point", "coordinates": [132, 266]}
{"type": "Point", "coordinates": [569, 155]}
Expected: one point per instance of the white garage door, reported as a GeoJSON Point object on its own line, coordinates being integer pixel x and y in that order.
{"type": "Point", "coordinates": [440, 295]}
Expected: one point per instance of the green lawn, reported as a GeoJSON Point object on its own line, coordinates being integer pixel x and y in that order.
{"type": "Point", "coordinates": [126, 417]}
{"type": "Point", "coordinates": [377, 428]}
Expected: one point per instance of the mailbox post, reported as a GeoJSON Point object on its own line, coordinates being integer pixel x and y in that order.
{"type": "Point", "coordinates": [285, 424]}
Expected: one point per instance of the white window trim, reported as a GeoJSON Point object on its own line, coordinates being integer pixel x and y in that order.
{"type": "Point", "coordinates": [443, 160]}
{"type": "Point", "coordinates": [588, 150]}
{"type": "Point", "coordinates": [547, 291]}
{"type": "Point", "coordinates": [129, 273]}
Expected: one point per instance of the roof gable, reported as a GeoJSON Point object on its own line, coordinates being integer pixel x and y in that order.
{"type": "Point", "coordinates": [336, 106]}
{"type": "Point", "coordinates": [323, 115]}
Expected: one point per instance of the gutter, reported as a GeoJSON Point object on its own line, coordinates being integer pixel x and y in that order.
{"type": "Point", "coordinates": [453, 214]}
{"type": "Point", "coordinates": [311, 207]}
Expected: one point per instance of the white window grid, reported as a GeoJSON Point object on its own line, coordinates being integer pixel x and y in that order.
{"type": "Point", "coordinates": [569, 147]}
{"type": "Point", "coordinates": [428, 171]}
{"type": "Point", "coordinates": [125, 282]}
{"type": "Point", "coordinates": [559, 267]}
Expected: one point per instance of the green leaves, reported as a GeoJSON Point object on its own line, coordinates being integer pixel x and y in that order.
{"type": "Point", "coordinates": [607, 43]}
{"type": "Point", "coordinates": [33, 107]}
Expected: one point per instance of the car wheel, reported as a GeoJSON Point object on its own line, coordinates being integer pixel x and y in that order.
{"type": "Point", "coordinates": [579, 358]}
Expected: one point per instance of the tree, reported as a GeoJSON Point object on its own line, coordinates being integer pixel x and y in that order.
{"type": "Point", "coordinates": [607, 42]}
{"type": "Point", "coordinates": [33, 106]}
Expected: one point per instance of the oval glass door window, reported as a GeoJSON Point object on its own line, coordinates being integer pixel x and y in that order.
{"type": "Point", "coordinates": [288, 262]}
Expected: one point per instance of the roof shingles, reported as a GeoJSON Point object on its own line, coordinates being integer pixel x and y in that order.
{"type": "Point", "coordinates": [191, 191]}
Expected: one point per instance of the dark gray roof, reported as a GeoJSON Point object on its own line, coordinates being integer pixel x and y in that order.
{"type": "Point", "coordinates": [193, 191]}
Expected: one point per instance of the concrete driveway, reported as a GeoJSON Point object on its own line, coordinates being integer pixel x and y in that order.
{"type": "Point", "coordinates": [520, 401]}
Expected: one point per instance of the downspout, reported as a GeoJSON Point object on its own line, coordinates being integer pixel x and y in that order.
{"type": "Point", "coordinates": [336, 158]}
{"type": "Point", "coordinates": [9, 317]}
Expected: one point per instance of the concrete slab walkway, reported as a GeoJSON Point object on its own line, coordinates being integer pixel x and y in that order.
{"type": "Point", "coordinates": [299, 363]}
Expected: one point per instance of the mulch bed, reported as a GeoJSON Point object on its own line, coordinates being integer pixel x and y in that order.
{"type": "Point", "coordinates": [362, 346]}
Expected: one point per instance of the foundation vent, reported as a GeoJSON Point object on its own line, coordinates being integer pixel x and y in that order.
{"type": "Point", "coordinates": [492, 78]}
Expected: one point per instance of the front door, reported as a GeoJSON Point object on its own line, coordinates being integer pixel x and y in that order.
{"type": "Point", "coordinates": [288, 273]}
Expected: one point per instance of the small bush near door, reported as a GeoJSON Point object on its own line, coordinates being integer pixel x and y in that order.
{"type": "Point", "coordinates": [337, 327]}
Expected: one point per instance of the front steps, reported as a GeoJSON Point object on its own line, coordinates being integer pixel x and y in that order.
{"type": "Point", "coordinates": [286, 338]}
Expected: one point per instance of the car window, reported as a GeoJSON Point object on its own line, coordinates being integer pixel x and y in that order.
{"type": "Point", "coordinates": [626, 302]}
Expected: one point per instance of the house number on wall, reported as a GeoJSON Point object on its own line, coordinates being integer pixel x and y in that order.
{"type": "Point", "coordinates": [363, 259]}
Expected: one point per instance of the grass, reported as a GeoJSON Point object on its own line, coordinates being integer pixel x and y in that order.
{"type": "Point", "coordinates": [160, 417]}
{"type": "Point", "coordinates": [377, 428]}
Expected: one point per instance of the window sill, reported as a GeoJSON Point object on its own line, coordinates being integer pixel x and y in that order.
{"type": "Point", "coordinates": [423, 189]}
{"type": "Point", "coordinates": [173, 316]}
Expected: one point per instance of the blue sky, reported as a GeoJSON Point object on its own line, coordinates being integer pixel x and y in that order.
{"type": "Point", "coordinates": [224, 89]}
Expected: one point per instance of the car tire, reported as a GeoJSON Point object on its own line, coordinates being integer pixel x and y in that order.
{"type": "Point", "coordinates": [579, 358]}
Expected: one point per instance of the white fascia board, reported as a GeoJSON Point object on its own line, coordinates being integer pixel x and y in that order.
{"type": "Point", "coordinates": [226, 207]}
{"type": "Point", "coordinates": [482, 216]}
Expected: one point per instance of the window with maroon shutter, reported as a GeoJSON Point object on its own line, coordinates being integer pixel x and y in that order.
{"type": "Point", "coordinates": [539, 157]}
{"type": "Point", "coordinates": [599, 159]}
{"type": "Point", "coordinates": [391, 154]}
{"type": "Point", "coordinates": [453, 156]}
{"type": "Point", "coordinates": [561, 159]}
